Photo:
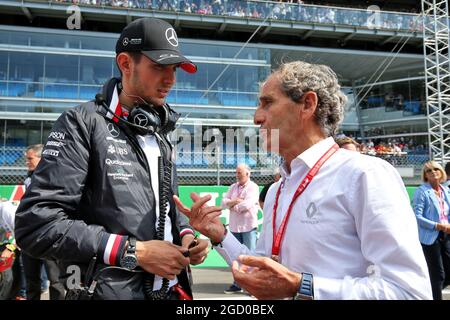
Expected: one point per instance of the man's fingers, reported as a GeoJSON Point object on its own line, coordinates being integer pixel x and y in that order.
{"type": "Point", "coordinates": [199, 201]}
{"type": "Point", "coordinates": [235, 268]}
{"type": "Point", "coordinates": [252, 261]}
{"type": "Point", "coordinates": [208, 218]}
{"type": "Point", "coordinates": [194, 196]}
{"type": "Point", "coordinates": [183, 209]}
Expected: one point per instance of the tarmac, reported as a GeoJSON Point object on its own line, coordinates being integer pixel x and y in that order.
{"type": "Point", "coordinates": [210, 283]}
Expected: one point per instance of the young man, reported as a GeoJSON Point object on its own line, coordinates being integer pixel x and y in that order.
{"type": "Point", "coordinates": [339, 224]}
{"type": "Point", "coordinates": [98, 199]}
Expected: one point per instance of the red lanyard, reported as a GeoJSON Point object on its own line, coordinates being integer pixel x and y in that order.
{"type": "Point", "coordinates": [278, 236]}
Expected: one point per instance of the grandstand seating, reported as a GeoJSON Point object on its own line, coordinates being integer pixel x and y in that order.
{"type": "Point", "coordinates": [236, 99]}
{"type": "Point", "coordinates": [412, 106]}
{"type": "Point", "coordinates": [11, 152]}
{"type": "Point", "coordinates": [185, 96]}
{"type": "Point", "coordinates": [12, 89]}
{"type": "Point", "coordinates": [67, 92]}
{"type": "Point", "coordinates": [10, 157]}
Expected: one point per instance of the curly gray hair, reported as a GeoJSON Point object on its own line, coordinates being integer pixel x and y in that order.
{"type": "Point", "coordinates": [299, 77]}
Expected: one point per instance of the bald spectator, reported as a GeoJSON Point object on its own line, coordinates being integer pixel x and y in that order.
{"type": "Point", "coordinates": [242, 200]}
{"type": "Point", "coordinates": [348, 143]}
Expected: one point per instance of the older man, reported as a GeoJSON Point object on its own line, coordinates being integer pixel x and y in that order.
{"type": "Point", "coordinates": [242, 200]}
{"type": "Point", "coordinates": [339, 224]}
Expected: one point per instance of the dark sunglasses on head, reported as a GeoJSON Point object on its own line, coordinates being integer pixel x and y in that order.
{"type": "Point", "coordinates": [431, 170]}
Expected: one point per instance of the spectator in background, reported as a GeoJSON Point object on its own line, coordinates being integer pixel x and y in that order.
{"type": "Point", "coordinates": [431, 206]}
{"type": "Point", "coordinates": [447, 172]}
{"type": "Point", "coordinates": [263, 193]}
{"type": "Point", "coordinates": [33, 266]}
{"type": "Point", "coordinates": [15, 276]}
{"type": "Point", "coordinates": [9, 273]}
{"type": "Point", "coordinates": [242, 200]}
{"type": "Point", "coordinates": [348, 143]}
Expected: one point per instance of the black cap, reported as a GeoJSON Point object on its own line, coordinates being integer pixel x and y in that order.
{"type": "Point", "coordinates": [156, 39]}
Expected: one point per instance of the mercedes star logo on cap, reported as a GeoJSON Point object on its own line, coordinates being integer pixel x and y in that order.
{"type": "Point", "coordinates": [171, 37]}
{"type": "Point", "coordinates": [125, 42]}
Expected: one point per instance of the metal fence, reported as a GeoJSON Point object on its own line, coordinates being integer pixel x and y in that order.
{"type": "Point", "coordinates": [206, 168]}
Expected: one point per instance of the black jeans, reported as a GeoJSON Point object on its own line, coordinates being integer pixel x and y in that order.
{"type": "Point", "coordinates": [19, 282]}
{"type": "Point", "coordinates": [437, 256]}
{"type": "Point", "coordinates": [32, 268]}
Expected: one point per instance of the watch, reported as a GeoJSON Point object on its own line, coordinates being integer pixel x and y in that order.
{"type": "Point", "coordinates": [129, 259]}
{"type": "Point", "coordinates": [306, 289]}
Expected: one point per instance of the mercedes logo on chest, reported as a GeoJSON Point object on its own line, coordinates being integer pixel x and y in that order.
{"type": "Point", "coordinates": [171, 37]}
{"type": "Point", "coordinates": [113, 130]}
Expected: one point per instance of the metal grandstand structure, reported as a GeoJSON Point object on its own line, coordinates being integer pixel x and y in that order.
{"type": "Point", "coordinates": [437, 76]}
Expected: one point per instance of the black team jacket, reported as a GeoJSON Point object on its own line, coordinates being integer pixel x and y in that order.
{"type": "Point", "coordinates": [93, 181]}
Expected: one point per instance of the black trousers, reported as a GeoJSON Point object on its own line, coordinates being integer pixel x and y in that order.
{"type": "Point", "coordinates": [18, 277]}
{"type": "Point", "coordinates": [437, 256]}
{"type": "Point", "coordinates": [32, 268]}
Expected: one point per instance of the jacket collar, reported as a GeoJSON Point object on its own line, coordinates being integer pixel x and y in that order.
{"type": "Point", "coordinates": [111, 91]}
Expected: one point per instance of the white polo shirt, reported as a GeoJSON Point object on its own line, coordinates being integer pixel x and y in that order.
{"type": "Point", "coordinates": [353, 228]}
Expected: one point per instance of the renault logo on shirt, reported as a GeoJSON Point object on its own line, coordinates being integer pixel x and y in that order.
{"type": "Point", "coordinates": [311, 210]}
{"type": "Point", "coordinates": [312, 214]}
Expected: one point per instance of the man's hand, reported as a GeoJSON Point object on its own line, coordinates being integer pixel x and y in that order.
{"type": "Point", "coordinates": [204, 219]}
{"type": "Point", "coordinates": [198, 248]}
{"type": "Point", "coordinates": [264, 278]}
{"type": "Point", "coordinates": [161, 258]}
{"type": "Point", "coordinates": [444, 227]}
{"type": "Point", "coordinates": [6, 254]}
{"type": "Point", "coordinates": [234, 202]}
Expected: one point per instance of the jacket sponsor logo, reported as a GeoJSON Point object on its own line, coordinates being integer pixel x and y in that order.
{"type": "Point", "coordinates": [57, 135]}
{"type": "Point", "coordinates": [112, 150]}
{"type": "Point", "coordinates": [110, 162]}
{"type": "Point", "coordinates": [113, 130]}
{"type": "Point", "coordinates": [55, 143]}
{"type": "Point", "coordinates": [51, 152]}
{"type": "Point", "coordinates": [120, 175]}
{"type": "Point", "coordinates": [115, 140]}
